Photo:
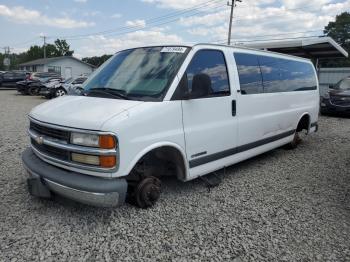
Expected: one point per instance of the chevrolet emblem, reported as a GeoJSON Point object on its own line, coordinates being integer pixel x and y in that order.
{"type": "Point", "coordinates": [39, 140]}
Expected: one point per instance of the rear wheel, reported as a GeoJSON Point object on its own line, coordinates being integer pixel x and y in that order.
{"type": "Point", "coordinates": [295, 142]}
{"type": "Point", "coordinates": [300, 132]}
{"type": "Point", "coordinates": [60, 92]}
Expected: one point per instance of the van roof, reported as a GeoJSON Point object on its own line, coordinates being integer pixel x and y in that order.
{"type": "Point", "coordinates": [227, 46]}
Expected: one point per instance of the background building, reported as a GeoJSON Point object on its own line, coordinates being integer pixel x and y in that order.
{"type": "Point", "coordinates": [66, 66]}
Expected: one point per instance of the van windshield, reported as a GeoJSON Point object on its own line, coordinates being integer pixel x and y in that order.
{"type": "Point", "coordinates": [137, 74]}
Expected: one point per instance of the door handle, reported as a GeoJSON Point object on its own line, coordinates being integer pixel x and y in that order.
{"type": "Point", "coordinates": [234, 110]}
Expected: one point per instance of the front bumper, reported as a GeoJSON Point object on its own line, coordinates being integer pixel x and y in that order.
{"type": "Point", "coordinates": [21, 88]}
{"type": "Point", "coordinates": [327, 107]}
{"type": "Point", "coordinates": [44, 178]}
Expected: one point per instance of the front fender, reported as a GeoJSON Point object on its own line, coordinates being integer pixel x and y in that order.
{"type": "Point", "coordinates": [155, 146]}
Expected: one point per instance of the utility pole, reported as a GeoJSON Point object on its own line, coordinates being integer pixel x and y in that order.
{"type": "Point", "coordinates": [44, 37]}
{"type": "Point", "coordinates": [233, 5]}
{"type": "Point", "coordinates": [7, 61]}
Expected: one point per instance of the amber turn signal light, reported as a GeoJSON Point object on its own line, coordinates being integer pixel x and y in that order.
{"type": "Point", "coordinates": [108, 161]}
{"type": "Point", "coordinates": [107, 142]}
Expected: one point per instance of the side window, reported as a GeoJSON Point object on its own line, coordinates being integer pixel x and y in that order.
{"type": "Point", "coordinates": [207, 75]}
{"type": "Point", "coordinates": [284, 75]}
{"type": "Point", "coordinates": [272, 73]}
{"type": "Point", "coordinates": [304, 75]}
{"type": "Point", "coordinates": [249, 73]}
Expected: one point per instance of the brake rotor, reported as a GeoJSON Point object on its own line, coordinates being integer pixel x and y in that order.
{"type": "Point", "coordinates": [148, 192]}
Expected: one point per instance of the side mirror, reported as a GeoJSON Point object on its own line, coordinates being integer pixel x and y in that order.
{"type": "Point", "coordinates": [331, 86]}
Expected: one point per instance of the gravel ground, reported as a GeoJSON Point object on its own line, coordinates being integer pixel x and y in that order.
{"type": "Point", "coordinates": [280, 206]}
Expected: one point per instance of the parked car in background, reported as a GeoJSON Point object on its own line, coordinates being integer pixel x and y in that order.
{"type": "Point", "coordinates": [35, 82]}
{"type": "Point", "coordinates": [9, 79]}
{"type": "Point", "coordinates": [337, 99]}
{"type": "Point", "coordinates": [61, 88]}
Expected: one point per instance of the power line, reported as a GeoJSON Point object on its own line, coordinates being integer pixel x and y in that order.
{"type": "Point", "coordinates": [130, 29]}
{"type": "Point", "coordinates": [138, 28]}
{"type": "Point", "coordinates": [286, 38]}
{"type": "Point", "coordinates": [277, 34]}
{"type": "Point", "coordinates": [147, 21]}
{"type": "Point", "coordinates": [34, 39]}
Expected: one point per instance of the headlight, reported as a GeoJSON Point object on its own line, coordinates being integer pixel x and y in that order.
{"type": "Point", "coordinates": [326, 95]}
{"type": "Point", "coordinates": [101, 141]}
{"type": "Point", "coordinates": [84, 139]}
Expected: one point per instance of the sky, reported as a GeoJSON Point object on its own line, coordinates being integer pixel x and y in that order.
{"type": "Point", "coordinates": [96, 27]}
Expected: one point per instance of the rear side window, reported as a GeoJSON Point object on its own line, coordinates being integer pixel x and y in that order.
{"type": "Point", "coordinates": [283, 75]}
{"type": "Point", "coordinates": [266, 74]}
{"type": "Point", "coordinates": [249, 73]}
{"type": "Point", "coordinates": [207, 74]}
{"type": "Point", "coordinates": [271, 74]}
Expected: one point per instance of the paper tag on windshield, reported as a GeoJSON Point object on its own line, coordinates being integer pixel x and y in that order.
{"type": "Point", "coordinates": [173, 49]}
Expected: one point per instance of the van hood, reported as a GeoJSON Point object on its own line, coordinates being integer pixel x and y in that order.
{"type": "Point", "coordinates": [81, 111]}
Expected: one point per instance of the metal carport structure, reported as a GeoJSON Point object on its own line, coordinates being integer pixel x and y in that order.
{"type": "Point", "coordinates": [309, 47]}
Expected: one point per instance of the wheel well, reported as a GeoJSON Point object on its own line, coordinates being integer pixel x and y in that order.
{"type": "Point", "coordinates": [161, 161]}
{"type": "Point", "coordinates": [304, 123]}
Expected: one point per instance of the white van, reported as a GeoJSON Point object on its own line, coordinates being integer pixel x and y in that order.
{"type": "Point", "coordinates": [158, 111]}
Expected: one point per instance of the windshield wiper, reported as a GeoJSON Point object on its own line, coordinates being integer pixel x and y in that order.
{"type": "Point", "coordinates": [118, 93]}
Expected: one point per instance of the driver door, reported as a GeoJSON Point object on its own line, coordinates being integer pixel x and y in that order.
{"type": "Point", "coordinates": [209, 117]}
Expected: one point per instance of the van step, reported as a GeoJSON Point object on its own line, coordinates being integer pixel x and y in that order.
{"type": "Point", "coordinates": [211, 180]}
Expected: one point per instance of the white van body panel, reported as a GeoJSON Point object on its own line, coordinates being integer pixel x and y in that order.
{"type": "Point", "coordinates": [148, 126]}
{"type": "Point", "coordinates": [81, 111]}
{"type": "Point", "coordinates": [236, 158]}
{"type": "Point", "coordinates": [190, 126]}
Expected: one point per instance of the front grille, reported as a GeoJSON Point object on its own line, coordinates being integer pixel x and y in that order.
{"type": "Point", "coordinates": [51, 151]}
{"type": "Point", "coordinates": [54, 144]}
{"type": "Point", "coordinates": [50, 132]}
{"type": "Point", "coordinates": [340, 101]}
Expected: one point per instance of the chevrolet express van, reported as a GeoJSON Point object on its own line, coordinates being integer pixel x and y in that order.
{"type": "Point", "coordinates": [158, 111]}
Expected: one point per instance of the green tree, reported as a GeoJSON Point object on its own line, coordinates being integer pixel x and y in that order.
{"type": "Point", "coordinates": [63, 48]}
{"type": "Point", "coordinates": [96, 60]}
{"type": "Point", "coordinates": [339, 30]}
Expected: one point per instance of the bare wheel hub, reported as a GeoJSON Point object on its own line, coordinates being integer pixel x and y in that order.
{"type": "Point", "coordinates": [147, 192]}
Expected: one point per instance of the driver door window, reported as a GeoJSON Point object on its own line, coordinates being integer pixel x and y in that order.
{"type": "Point", "coordinates": [207, 75]}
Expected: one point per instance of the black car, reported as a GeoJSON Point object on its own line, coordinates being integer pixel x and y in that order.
{"type": "Point", "coordinates": [35, 82]}
{"type": "Point", "coordinates": [9, 79]}
{"type": "Point", "coordinates": [337, 99]}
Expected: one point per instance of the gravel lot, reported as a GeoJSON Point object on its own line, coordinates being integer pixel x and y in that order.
{"type": "Point", "coordinates": [281, 206]}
